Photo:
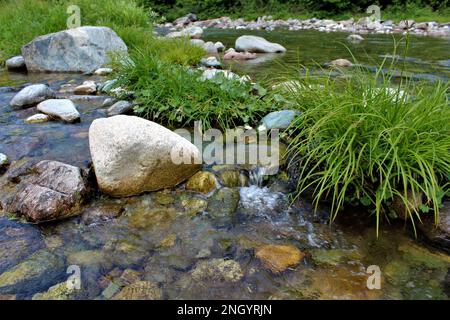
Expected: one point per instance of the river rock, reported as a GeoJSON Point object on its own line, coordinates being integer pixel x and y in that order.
{"type": "Point", "coordinates": [60, 291]}
{"type": "Point", "coordinates": [355, 38]}
{"type": "Point", "coordinates": [83, 49]}
{"type": "Point", "coordinates": [210, 48]}
{"type": "Point", "coordinates": [15, 63]}
{"type": "Point", "coordinates": [197, 42]}
{"type": "Point", "coordinates": [31, 95]}
{"type": "Point", "coordinates": [37, 118]}
{"type": "Point", "coordinates": [202, 181]}
{"type": "Point", "coordinates": [279, 119]}
{"type": "Point", "coordinates": [120, 107]}
{"type": "Point", "coordinates": [63, 109]}
{"type": "Point", "coordinates": [233, 178]}
{"type": "Point", "coordinates": [3, 160]}
{"type": "Point", "coordinates": [217, 271]}
{"type": "Point", "coordinates": [103, 71]}
{"type": "Point", "coordinates": [233, 55]}
{"type": "Point", "coordinates": [55, 191]}
{"type": "Point", "coordinates": [341, 63]}
{"type": "Point", "coordinates": [38, 272]}
{"type": "Point", "coordinates": [193, 32]}
{"type": "Point", "coordinates": [88, 87]}
{"type": "Point", "coordinates": [219, 46]}
{"type": "Point", "coordinates": [100, 213]}
{"type": "Point", "coordinates": [223, 204]}
{"type": "Point", "coordinates": [187, 19]}
{"type": "Point", "coordinates": [257, 44]}
{"type": "Point", "coordinates": [140, 290]}
{"type": "Point", "coordinates": [211, 62]}
{"type": "Point", "coordinates": [277, 258]}
{"type": "Point", "coordinates": [132, 155]}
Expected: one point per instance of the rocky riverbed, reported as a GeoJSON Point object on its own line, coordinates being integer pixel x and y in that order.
{"type": "Point", "coordinates": [204, 232]}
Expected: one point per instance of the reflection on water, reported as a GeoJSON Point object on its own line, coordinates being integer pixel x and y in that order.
{"type": "Point", "coordinates": [185, 245]}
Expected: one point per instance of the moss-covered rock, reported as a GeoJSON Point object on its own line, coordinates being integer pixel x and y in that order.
{"type": "Point", "coordinates": [202, 181]}
{"type": "Point", "coordinates": [277, 258]}
{"type": "Point", "coordinates": [61, 291]}
{"type": "Point", "coordinates": [334, 256]}
{"type": "Point", "coordinates": [217, 270]}
{"type": "Point", "coordinates": [140, 290]}
{"type": "Point", "coordinates": [223, 204]}
{"type": "Point", "coordinates": [194, 206]}
{"type": "Point", "coordinates": [233, 179]}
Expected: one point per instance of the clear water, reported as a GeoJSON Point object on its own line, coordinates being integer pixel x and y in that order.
{"type": "Point", "coordinates": [166, 236]}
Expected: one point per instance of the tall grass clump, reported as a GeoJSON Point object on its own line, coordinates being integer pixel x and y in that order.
{"type": "Point", "coordinates": [362, 139]}
{"type": "Point", "coordinates": [172, 93]}
{"type": "Point", "coordinates": [23, 20]}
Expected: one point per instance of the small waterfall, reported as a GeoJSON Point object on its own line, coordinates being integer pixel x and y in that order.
{"type": "Point", "coordinates": [256, 176]}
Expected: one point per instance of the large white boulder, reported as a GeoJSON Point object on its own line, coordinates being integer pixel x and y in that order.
{"type": "Point", "coordinates": [258, 44]}
{"type": "Point", "coordinates": [83, 49]}
{"type": "Point", "coordinates": [132, 155]}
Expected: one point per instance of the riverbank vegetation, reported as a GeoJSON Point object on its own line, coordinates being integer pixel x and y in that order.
{"type": "Point", "coordinates": [366, 140]}
{"type": "Point", "coordinates": [420, 10]}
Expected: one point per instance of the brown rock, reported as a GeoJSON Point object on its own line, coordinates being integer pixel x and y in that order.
{"type": "Point", "coordinates": [232, 55]}
{"type": "Point", "coordinates": [140, 290]}
{"type": "Point", "coordinates": [278, 258]}
{"type": "Point", "coordinates": [202, 181]}
{"type": "Point", "coordinates": [55, 191]}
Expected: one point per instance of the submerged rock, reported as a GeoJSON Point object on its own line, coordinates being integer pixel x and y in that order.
{"type": "Point", "coordinates": [60, 291]}
{"type": "Point", "coordinates": [15, 63]}
{"type": "Point", "coordinates": [194, 205]}
{"type": "Point", "coordinates": [140, 290]}
{"type": "Point", "coordinates": [100, 213]}
{"type": "Point", "coordinates": [37, 118]}
{"type": "Point", "coordinates": [202, 181]}
{"type": "Point", "coordinates": [233, 55]}
{"type": "Point", "coordinates": [223, 204]}
{"type": "Point", "coordinates": [55, 191]}
{"type": "Point", "coordinates": [132, 155]}
{"type": "Point", "coordinates": [31, 95]}
{"type": "Point", "coordinates": [39, 271]}
{"type": "Point", "coordinates": [217, 270]}
{"type": "Point", "coordinates": [277, 258]}
{"type": "Point", "coordinates": [83, 49]}
{"type": "Point", "coordinates": [63, 109]}
{"type": "Point", "coordinates": [257, 44]}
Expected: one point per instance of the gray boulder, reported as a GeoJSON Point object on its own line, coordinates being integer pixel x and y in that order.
{"type": "Point", "coordinates": [83, 49]}
{"type": "Point", "coordinates": [31, 95]}
{"type": "Point", "coordinates": [132, 155]}
{"type": "Point", "coordinates": [63, 109]}
{"type": "Point", "coordinates": [279, 119]}
{"type": "Point", "coordinates": [120, 107]}
{"type": "Point", "coordinates": [257, 44]}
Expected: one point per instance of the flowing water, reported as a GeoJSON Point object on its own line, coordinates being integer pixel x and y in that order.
{"type": "Point", "coordinates": [179, 240]}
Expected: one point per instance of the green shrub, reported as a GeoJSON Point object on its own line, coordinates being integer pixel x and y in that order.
{"type": "Point", "coordinates": [172, 94]}
{"type": "Point", "coordinates": [359, 139]}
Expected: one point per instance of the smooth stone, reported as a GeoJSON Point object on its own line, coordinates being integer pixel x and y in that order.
{"type": "Point", "coordinates": [355, 38]}
{"type": "Point", "coordinates": [217, 270]}
{"type": "Point", "coordinates": [103, 71]}
{"type": "Point", "coordinates": [223, 205]}
{"type": "Point", "coordinates": [15, 63]}
{"type": "Point", "coordinates": [341, 63]}
{"type": "Point", "coordinates": [210, 48]}
{"type": "Point", "coordinates": [100, 213]}
{"type": "Point", "coordinates": [202, 181]}
{"type": "Point", "coordinates": [219, 46]}
{"type": "Point", "coordinates": [31, 95]}
{"type": "Point", "coordinates": [63, 109]}
{"type": "Point", "coordinates": [193, 32]}
{"type": "Point", "coordinates": [278, 258]}
{"type": "Point", "coordinates": [257, 44]}
{"type": "Point", "coordinates": [37, 118]}
{"type": "Point", "coordinates": [88, 87]}
{"type": "Point", "coordinates": [232, 179]}
{"type": "Point", "coordinates": [233, 55]}
{"type": "Point", "coordinates": [132, 155]}
{"type": "Point", "coordinates": [279, 119]}
{"type": "Point", "coordinates": [55, 191]}
{"type": "Point", "coordinates": [211, 62]}
{"type": "Point", "coordinates": [83, 49]}
{"type": "Point", "coordinates": [120, 107]}
{"type": "Point", "coordinates": [194, 206]}
{"type": "Point", "coordinates": [3, 160]}
{"type": "Point", "coordinates": [108, 102]}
